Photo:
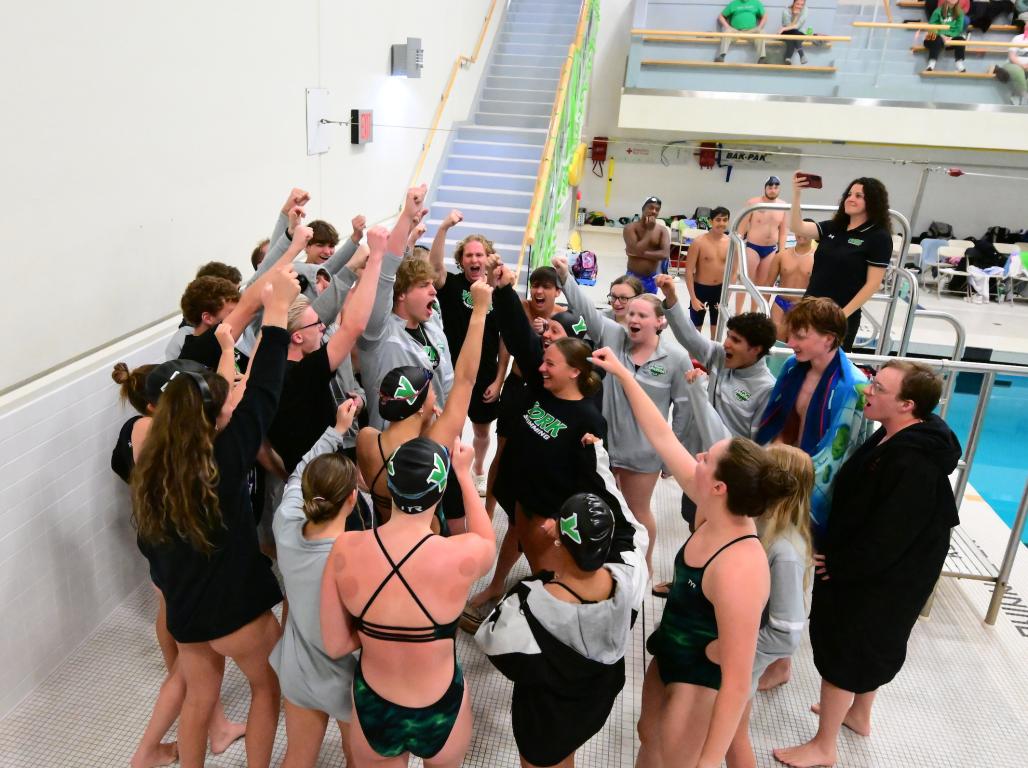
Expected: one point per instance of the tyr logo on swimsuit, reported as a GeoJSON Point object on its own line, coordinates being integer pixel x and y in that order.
{"type": "Point", "coordinates": [542, 423]}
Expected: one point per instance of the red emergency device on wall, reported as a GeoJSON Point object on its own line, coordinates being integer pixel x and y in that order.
{"type": "Point", "coordinates": [599, 149]}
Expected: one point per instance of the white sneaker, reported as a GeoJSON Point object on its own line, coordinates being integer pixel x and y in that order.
{"type": "Point", "coordinates": [931, 66]}
{"type": "Point", "coordinates": [961, 67]}
{"type": "Point", "coordinates": [978, 299]}
{"type": "Point", "coordinates": [480, 484]}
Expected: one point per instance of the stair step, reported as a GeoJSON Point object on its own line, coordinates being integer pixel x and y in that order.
{"type": "Point", "coordinates": [523, 84]}
{"type": "Point", "coordinates": [491, 164]}
{"type": "Point", "coordinates": [511, 94]}
{"type": "Point", "coordinates": [504, 135]}
{"type": "Point", "coordinates": [498, 233]}
{"type": "Point", "coordinates": [541, 36]}
{"type": "Point", "coordinates": [497, 149]}
{"type": "Point", "coordinates": [524, 70]}
{"type": "Point", "coordinates": [512, 121]}
{"type": "Point", "coordinates": [484, 214]}
{"type": "Point", "coordinates": [508, 251]}
{"type": "Point", "coordinates": [459, 196]}
{"type": "Point", "coordinates": [516, 107]}
{"type": "Point", "coordinates": [555, 28]}
{"type": "Point", "coordinates": [531, 49]}
{"type": "Point", "coordinates": [515, 59]}
{"type": "Point", "coordinates": [489, 181]}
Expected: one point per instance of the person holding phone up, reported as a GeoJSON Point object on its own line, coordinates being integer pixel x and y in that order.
{"type": "Point", "coordinates": [854, 246]}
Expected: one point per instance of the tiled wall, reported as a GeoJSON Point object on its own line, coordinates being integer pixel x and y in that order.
{"type": "Point", "coordinates": [67, 548]}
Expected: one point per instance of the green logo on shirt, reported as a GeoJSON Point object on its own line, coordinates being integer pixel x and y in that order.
{"type": "Point", "coordinates": [569, 527]}
{"type": "Point", "coordinates": [742, 395]}
{"type": "Point", "coordinates": [855, 241]}
{"type": "Point", "coordinates": [469, 302]}
{"type": "Point", "coordinates": [433, 354]}
{"type": "Point", "coordinates": [543, 423]}
{"type": "Point", "coordinates": [580, 326]}
{"type": "Point", "coordinates": [657, 370]}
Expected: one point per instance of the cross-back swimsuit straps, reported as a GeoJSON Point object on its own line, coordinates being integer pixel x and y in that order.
{"type": "Point", "coordinates": [392, 729]}
{"type": "Point", "coordinates": [386, 502]}
{"type": "Point", "coordinates": [687, 627]}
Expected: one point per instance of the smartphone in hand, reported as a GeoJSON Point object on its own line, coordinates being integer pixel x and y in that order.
{"type": "Point", "coordinates": [813, 180]}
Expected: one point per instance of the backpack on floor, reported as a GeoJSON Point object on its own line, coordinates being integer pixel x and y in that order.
{"type": "Point", "coordinates": [940, 230]}
{"type": "Point", "coordinates": [585, 268]}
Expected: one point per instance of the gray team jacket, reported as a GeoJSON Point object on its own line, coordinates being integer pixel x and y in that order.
{"type": "Point", "coordinates": [738, 395]}
{"type": "Point", "coordinates": [781, 627]}
{"type": "Point", "coordinates": [386, 345]}
{"type": "Point", "coordinates": [662, 377]}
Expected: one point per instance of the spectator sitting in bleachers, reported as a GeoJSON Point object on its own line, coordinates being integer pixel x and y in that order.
{"type": "Point", "coordinates": [794, 21]}
{"type": "Point", "coordinates": [948, 12]}
{"type": "Point", "coordinates": [931, 5]}
{"type": "Point", "coordinates": [743, 16]}
{"type": "Point", "coordinates": [1012, 72]}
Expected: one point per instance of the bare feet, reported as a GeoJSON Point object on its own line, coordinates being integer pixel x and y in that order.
{"type": "Point", "coordinates": [162, 754]}
{"type": "Point", "coordinates": [806, 755]}
{"type": "Point", "coordinates": [223, 734]}
{"type": "Point", "coordinates": [485, 596]}
{"type": "Point", "coordinates": [777, 673]}
{"type": "Point", "coordinates": [853, 721]}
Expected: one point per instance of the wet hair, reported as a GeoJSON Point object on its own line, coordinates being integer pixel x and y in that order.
{"type": "Point", "coordinates": [757, 328]}
{"type": "Point", "coordinates": [819, 314]}
{"type": "Point", "coordinates": [133, 384]}
{"type": "Point", "coordinates": [545, 276]}
{"type": "Point", "coordinates": [487, 244]}
{"type": "Point", "coordinates": [790, 514]}
{"type": "Point", "coordinates": [754, 481]}
{"type": "Point", "coordinates": [328, 481]}
{"type": "Point", "coordinates": [576, 353]}
{"type": "Point", "coordinates": [921, 385]}
{"type": "Point", "coordinates": [632, 282]}
{"type": "Point", "coordinates": [876, 201]}
{"type": "Point", "coordinates": [411, 272]}
{"type": "Point", "coordinates": [175, 481]}
{"type": "Point", "coordinates": [294, 317]}
{"type": "Point", "coordinates": [220, 269]}
{"type": "Point", "coordinates": [258, 253]}
{"type": "Point", "coordinates": [206, 294]}
{"type": "Point", "coordinates": [720, 211]}
{"type": "Point", "coordinates": [324, 233]}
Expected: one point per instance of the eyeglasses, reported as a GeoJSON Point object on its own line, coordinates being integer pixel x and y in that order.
{"type": "Point", "coordinates": [615, 299]}
{"type": "Point", "coordinates": [309, 325]}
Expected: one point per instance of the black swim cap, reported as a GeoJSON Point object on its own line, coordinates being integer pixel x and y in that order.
{"type": "Point", "coordinates": [573, 325]}
{"type": "Point", "coordinates": [586, 529]}
{"type": "Point", "coordinates": [160, 377]}
{"type": "Point", "coordinates": [403, 392]}
{"type": "Point", "coordinates": [416, 475]}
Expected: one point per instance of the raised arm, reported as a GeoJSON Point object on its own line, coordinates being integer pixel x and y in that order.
{"type": "Point", "coordinates": [449, 426]}
{"type": "Point", "coordinates": [521, 341]}
{"type": "Point", "coordinates": [227, 362]}
{"type": "Point", "coordinates": [600, 328]}
{"type": "Point", "coordinates": [707, 351]}
{"type": "Point", "coordinates": [281, 237]}
{"type": "Point", "coordinates": [437, 256]}
{"type": "Point", "coordinates": [707, 421]}
{"type": "Point", "coordinates": [354, 320]}
{"type": "Point", "coordinates": [347, 248]}
{"type": "Point", "coordinates": [653, 422]}
{"type": "Point", "coordinates": [479, 543]}
{"type": "Point", "coordinates": [796, 222]}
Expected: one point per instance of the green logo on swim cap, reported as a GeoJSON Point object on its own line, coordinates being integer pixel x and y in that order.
{"type": "Point", "coordinates": [390, 468]}
{"type": "Point", "coordinates": [438, 474]}
{"type": "Point", "coordinates": [580, 326]}
{"type": "Point", "coordinates": [569, 527]}
{"type": "Point", "coordinates": [405, 391]}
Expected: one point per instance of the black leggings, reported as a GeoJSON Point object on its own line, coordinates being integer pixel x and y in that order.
{"type": "Point", "coordinates": [935, 48]}
{"type": "Point", "coordinates": [792, 46]}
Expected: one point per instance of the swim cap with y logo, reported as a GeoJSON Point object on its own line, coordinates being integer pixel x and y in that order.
{"type": "Point", "coordinates": [587, 530]}
{"type": "Point", "coordinates": [403, 392]}
{"type": "Point", "coordinates": [416, 474]}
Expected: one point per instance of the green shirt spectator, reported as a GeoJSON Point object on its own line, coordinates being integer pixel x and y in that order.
{"type": "Point", "coordinates": [954, 19]}
{"type": "Point", "coordinates": [743, 15]}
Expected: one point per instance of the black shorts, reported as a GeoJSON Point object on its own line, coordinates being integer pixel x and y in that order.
{"type": "Point", "coordinates": [479, 411]}
{"type": "Point", "coordinates": [511, 400]}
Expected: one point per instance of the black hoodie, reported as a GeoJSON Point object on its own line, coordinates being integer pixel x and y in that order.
{"type": "Point", "coordinates": [893, 506]}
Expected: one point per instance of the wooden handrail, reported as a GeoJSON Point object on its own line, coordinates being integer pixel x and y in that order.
{"type": "Point", "coordinates": [897, 25]}
{"type": "Point", "coordinates": [673, 33]}
{"type": "Point", "coordinates": [457, 64]}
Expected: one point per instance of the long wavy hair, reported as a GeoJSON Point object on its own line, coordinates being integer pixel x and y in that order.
{"type": "Point", "coordinates": [790, 515]}
{"type": "Point", "coordinates": [876, 201]}
{"type": "Point", "coordinates": [175, 481]}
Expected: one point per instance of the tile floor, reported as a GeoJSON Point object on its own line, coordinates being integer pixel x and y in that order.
{"type": "Point", "coordinates": [961, 701]}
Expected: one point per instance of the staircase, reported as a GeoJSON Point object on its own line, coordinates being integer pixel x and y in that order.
{"type": "Point", "coordinates": [489, 167]}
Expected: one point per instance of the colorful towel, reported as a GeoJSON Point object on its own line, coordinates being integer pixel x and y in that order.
{"type": "Point", "coordinates": [834, 425]}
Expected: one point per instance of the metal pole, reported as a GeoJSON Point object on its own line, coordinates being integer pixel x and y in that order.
{"type": "Point", "coordinates": [919, 196]}
{"type": "Point", "coordinates": [958, 354]}
{"type": "Point", "coordinates": [908, 322]}
{"type": "Point", "coordinates": [722, 320]}
{"type": "Point", "coordinates": [974, 435]}
{"type": "Point", "coordinates": [1013, 544]}
{"type": "Point", "coordinates": [744, 275]}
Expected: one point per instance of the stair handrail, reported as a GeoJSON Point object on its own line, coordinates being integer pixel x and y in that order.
{"type": "Point", "coordinates": [676, 33]}
{"type": "Point", "coordinates": [458, 64]}
{"type": "Point", "coordinates": [578, 62]}
{"type": "Point", "coordinates": [914, 25]}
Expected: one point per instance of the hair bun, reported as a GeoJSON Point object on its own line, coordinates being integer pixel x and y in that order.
{"type": "Point", "coordinates": [120, 374]}
{"type": "Point", "coordinates": [318, 509]}
{"type": "Point", "coordinates": [777, 483]}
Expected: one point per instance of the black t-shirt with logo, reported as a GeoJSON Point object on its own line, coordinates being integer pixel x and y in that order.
{"type": "Point", "coordinates": [305, 409]}
{"type": "Point", "coordinates": [206, 350]}
{"type": "Point", "coordinates": [842, 258]}
{"type": "Point", "coordinates": [456, 303]}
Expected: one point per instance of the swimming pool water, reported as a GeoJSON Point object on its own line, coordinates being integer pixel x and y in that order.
{"type": "Point", "coordinates": [1001, 463]}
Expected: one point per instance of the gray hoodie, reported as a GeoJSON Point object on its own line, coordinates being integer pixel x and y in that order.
{"type": "Point", "coordinates": [738, 395]}
{"type": "Point", "coordinates": [662, 377]}
{"type": "Point", "coordinates": [386, 345]}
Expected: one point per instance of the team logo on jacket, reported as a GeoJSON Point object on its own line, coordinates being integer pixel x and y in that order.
{"type": "Point", "coordinates": [742, 395]}
{"type": "Point", "coordinates": [657, 370]}
{"type": "Point", "coordinates": [542, 423]}
{"type": "Point", "coordinates": [470, 303]}
{"type": "Point", "coordinates": [580, 326]}
{"type": "Point", "coordinates": [855, 241]}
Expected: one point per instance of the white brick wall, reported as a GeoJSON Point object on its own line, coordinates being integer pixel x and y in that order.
{"type": "Point", "coordinates": [67, 547]}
